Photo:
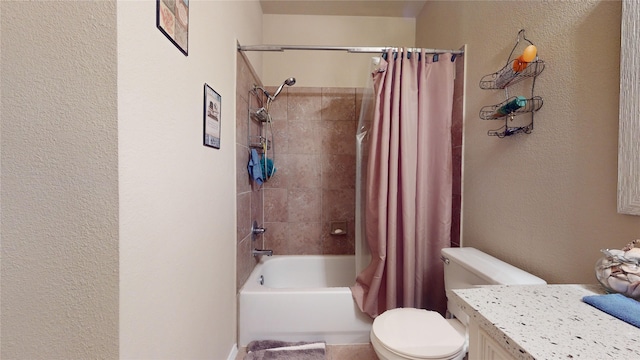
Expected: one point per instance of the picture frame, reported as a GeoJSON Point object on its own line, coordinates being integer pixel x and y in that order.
{"type": "Point", "coordinates": [172, 19]}
{"type": "Point", "coordinates": [212, 117]}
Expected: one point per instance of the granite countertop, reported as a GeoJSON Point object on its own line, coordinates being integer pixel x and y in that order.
{"type": "Point", "coordinates": [548, 322]}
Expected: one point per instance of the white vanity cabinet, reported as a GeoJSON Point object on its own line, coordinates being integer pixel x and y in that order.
{"type": "Point", "coordinates": [482, 346]}
{"type": "Point", "coordinates": [542, 322]}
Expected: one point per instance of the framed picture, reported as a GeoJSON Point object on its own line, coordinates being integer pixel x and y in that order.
{"type": "Point", "coordinates": [212, 107]}
{"type": "Point", "coordinates": [172, 18]}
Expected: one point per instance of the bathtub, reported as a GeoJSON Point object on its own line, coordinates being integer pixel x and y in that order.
{"type": "Point", "coordinates": [302, 298]}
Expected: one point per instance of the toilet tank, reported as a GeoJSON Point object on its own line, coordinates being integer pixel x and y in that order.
{"type": "Point", "coordinates": [468, 267]}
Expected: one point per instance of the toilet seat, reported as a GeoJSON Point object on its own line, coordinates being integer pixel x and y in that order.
{"type": "Point", "coordinates": [416, 334]}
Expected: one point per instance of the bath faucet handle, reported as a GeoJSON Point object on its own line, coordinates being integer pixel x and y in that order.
{"type": "Point", "coordinates": [256, 230]}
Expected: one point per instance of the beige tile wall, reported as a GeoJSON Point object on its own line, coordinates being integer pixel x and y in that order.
{"type": "Point", "coordinates": [249, 204]}
{"type": "Point", "coordinates": [314, 144]}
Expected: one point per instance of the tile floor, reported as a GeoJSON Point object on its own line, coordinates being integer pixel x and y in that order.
{"type": "Point", "coordinates": [339, 352]}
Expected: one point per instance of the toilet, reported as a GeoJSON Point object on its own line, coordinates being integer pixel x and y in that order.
{"type": "Point", "coordinates": [417, 334]}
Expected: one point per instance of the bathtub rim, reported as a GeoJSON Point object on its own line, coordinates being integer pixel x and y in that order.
{"type": "Point", "coordinates": [252, 283]}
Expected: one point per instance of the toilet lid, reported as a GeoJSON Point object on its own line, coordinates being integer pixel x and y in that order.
{"type": "Point", "coordinates": [417, 333]}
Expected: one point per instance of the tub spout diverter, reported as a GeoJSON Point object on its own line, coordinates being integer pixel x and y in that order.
{"type": "Point", "coordinates": [257, 252]}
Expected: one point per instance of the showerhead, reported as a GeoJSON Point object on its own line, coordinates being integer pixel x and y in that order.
{"type": "Point", "coordinates": [289, 82]}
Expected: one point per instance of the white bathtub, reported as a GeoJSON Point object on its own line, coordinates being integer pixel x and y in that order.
{"type": "Point", "coordinates": [303, 298]}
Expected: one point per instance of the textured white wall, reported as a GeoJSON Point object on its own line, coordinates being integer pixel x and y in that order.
{"type": "Point", "coordinates": [328, 68]}
{"type": "Point", "coordinates": [59, 180]}
{"type": "Point", "coordinates": [177, 197]}
{"type": "Point", "coordinates": [545, 202]}
{"type": "Point", "coordinates": [118, 226]}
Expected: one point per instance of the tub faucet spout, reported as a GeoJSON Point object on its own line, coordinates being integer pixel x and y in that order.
{"type": "Point", "coordinates": [257, 252]}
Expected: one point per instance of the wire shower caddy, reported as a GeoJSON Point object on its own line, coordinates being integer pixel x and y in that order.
{"type": "Point", "coordinates": [502, 79]}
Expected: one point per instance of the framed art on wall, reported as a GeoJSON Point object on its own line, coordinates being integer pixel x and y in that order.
{"type": "Point", "coordinates": [212, 107]}
{"type": "Point", "coordinates": [629, 118]}
{"type": "Point", "coordinates": [172, 18]}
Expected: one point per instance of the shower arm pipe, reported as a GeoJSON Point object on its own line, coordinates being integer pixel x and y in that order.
{"type": "Point", "coordinates": [350, 49]}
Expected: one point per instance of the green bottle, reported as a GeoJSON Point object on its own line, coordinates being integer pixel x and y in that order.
{"type": "Point", "coordinates": [511, 106]}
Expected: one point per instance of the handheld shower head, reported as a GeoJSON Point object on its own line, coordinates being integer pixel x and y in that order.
{"type": "Point", "coordinates": [289, 82]}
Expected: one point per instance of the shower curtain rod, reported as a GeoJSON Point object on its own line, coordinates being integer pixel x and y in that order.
{"type": "Point", "coordinates": [351, 49]}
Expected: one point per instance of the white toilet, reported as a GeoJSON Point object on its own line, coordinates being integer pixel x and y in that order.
{"type": "Point", "coordinates": [416, 334]}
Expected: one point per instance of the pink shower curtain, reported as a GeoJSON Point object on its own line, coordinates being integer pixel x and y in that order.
{"type": "Point", "coordinates": [408, 184]}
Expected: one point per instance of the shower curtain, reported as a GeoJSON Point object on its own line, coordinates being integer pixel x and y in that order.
{"type": "Point", "coordinates": [406, 166]}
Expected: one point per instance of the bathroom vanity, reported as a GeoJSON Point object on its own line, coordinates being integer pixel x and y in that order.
{"type": "Point", "coordinates": [543, 322]}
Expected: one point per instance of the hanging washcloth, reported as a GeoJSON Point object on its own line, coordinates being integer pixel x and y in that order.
{"type": "Point", "coordinates": [254, 167]}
